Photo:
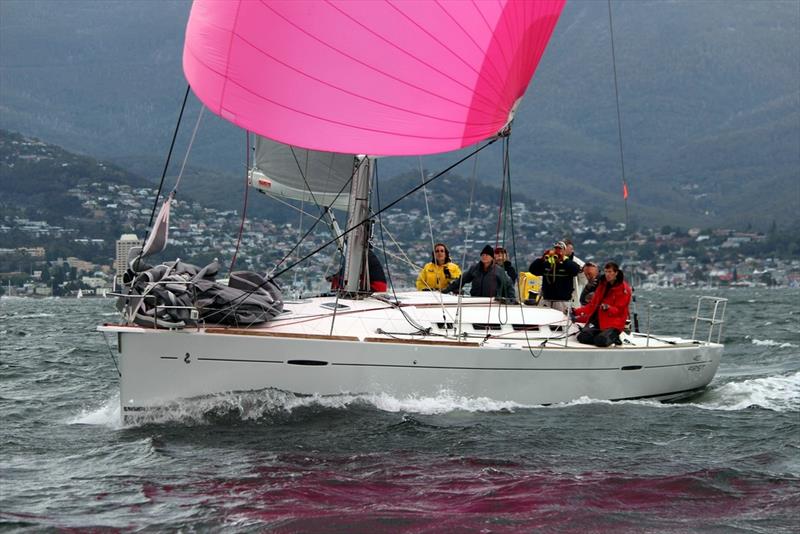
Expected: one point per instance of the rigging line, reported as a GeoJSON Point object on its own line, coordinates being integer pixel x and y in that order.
{"type": "Point", "coordinates": [303, 173]}
{"type": "Point", "coordinates": [520, 300]}
{"type": "Point", "coordinates": [276, 198]}
{"type": "Point", "coordinates": [505, 207]}
{"type": "Point", "coordinates": [299, 232]}
{"type": "Point", "coordinates": [388, 206]}
{"type": "Point", "coordinates": [291, 251]}
{"type": "Point", "coordinates": [403, 256]}
{"type": "Point", "coordinates": [166, 167]}
{"type": "Point", "coordinates": [188, 149]}
{"type": "Point", "coordinates": [111, 354]}
{"type": "Point", "coordinates": [303, 176]}
{"type": "Point", "coordinates": [427, 207]}
{"type": "Point", "coordinates": [619, 118]}
{"type": "Point", "coordinates": [274, 275]}
{"type": "Point", "coordinates": [385, 257]}
{"type": "Point", "coordinates": [246, 190]}
{"type": "Point", "coordinates": [380, 228]}
{"type": "Point", "coordinates": [466, 240]}
{"type": "Point", "coordinates": [398, 257]}
{"type": "Point", "coordinates": [321, 215]}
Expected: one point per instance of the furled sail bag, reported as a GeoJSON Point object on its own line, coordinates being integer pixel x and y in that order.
{"type": "Point", "coordinates": [177, 294]}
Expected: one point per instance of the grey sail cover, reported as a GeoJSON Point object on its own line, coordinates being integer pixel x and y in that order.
{"type": "Point", "coordinates": [280, 170]}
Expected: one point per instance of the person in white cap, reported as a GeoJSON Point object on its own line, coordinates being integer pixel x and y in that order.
{"type": "Point", "coordinates": [557, 271]}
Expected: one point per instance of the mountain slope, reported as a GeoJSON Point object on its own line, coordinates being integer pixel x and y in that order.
{"type": "Point", "coordinates": [709, 101]}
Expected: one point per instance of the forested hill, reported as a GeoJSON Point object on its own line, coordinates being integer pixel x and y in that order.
{"type": "Point", "coordinates": [36, 177]}
{"type": "Point", "coordinates": [38, 181]}
{"type": "Point", "coordinates": [709, 96]}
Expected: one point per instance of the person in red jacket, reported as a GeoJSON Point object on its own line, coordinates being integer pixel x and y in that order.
{"type": "Point", "coordinates": [607, 312]}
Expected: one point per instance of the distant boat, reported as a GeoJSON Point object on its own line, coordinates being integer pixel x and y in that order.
{"type": "Point", "coordinates": [323, 87]}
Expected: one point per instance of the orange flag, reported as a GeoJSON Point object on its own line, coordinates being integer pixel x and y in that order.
{"type": "Point", "coordinates": [625, 190]}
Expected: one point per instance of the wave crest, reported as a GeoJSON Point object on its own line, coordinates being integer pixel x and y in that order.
{"type": "Point", "coordinates": [779, 393]}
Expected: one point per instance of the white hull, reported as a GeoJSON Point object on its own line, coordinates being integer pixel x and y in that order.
{"type": "Point", "coordinates": [293, 354]}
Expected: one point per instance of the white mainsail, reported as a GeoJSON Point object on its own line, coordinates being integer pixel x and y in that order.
{"type": "Point", "coordinates": [295, 173]}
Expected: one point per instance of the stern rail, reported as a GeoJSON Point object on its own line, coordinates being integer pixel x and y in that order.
{"type": "Point", "coordinates": [716, 306]}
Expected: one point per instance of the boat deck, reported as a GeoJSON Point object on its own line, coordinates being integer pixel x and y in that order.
{"type": "Point", "coordinates": [428, 318]}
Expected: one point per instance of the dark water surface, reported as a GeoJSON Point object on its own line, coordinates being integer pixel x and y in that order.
{"type": "Point", "coordinates": [727, 461]}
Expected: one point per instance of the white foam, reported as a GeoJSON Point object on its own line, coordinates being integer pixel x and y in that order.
{"type": "Point", "coordinates": [780, 393]}
{"type": "Point", "coordinates": [255, 405]}
{"type": "Point", "coordinates": [444, 402]}
{"type": "Point", "coordinates": [771, 343]}
{"type": "Point", "coordinates": [106, 415]}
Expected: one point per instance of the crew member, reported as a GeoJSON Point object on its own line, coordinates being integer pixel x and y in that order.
{"type": "Point", "coordinates": [557, 272]}
{"type": "Point", "coordinates": [606, 314]}
{"type": "Point", "coordinates": [437, 274]}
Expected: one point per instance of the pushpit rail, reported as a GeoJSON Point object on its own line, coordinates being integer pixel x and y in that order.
{"type": "Point", "coordinates": [716, 306]}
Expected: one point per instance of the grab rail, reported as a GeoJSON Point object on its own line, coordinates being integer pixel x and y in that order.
{"type": "Point", "coordinates": [713, 320]}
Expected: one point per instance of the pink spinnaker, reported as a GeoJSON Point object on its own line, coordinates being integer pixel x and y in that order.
{"type": "Point", "coordinates": [367, 77]}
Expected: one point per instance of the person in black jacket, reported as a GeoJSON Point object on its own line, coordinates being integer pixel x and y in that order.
{"type": "Point", "coordinates": [377, 278]}
{"type": "Point", "coordinates": [487, 278]}
{"type": "Point", "coordinates": [557, 271]}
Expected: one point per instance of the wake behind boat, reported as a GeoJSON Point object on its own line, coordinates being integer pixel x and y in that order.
{"type": "Point", "coordinates": [321, 90]}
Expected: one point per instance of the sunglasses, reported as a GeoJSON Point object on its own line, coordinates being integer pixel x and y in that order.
{"type": "Point", "coordinates": [439, 250]}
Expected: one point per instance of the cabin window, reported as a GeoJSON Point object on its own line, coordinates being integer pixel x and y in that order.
{"type": "Point", "coordinates": [445, 326]}
{"type": "Point", "coordinates": [525, 327]}
{"type": "Point", "coordinates": [487, 326]}
{"type": "Point", "coordinates": [556, 328]}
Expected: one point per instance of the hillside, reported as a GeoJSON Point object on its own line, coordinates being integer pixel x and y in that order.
{"type": "Point", "coordinates": [45, 182]}
{"type": "Point", "coordinates": [36, 178]}
{"type": "Point", "coordinates": [709, 102]}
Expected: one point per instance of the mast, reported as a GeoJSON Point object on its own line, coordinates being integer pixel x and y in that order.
{"type": "Point", "coordinates": [358, 239]}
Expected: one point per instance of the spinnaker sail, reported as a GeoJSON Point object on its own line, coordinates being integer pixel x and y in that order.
{"type": "Point", "coordinates": [377, 77]}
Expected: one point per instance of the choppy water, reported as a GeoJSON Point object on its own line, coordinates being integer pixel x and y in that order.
{"type": "Point", "coordinates": [728, 461]}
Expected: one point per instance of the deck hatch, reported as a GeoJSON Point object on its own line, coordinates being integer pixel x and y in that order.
{"type": "Point", "coordinates": [334, 306]}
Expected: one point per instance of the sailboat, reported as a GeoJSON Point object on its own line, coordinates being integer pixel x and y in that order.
{"type": "Point", "coordinates": [327, 88]}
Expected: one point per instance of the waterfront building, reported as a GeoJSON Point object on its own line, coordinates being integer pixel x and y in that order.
{"type": "Point", "coordinates": [124, 245]}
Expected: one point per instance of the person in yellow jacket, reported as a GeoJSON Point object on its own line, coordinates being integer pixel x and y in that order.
{"type": "Point", "coordinates": [436, 275]}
